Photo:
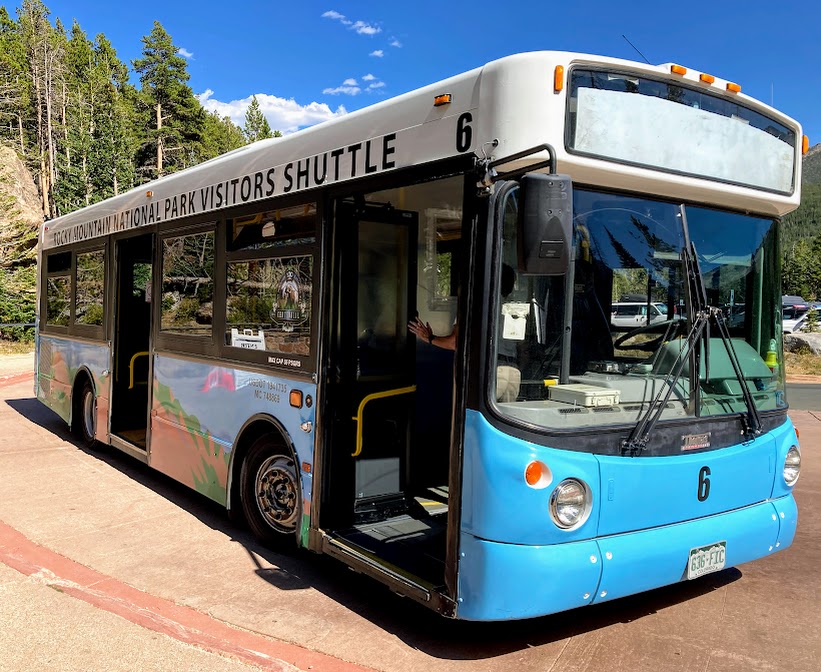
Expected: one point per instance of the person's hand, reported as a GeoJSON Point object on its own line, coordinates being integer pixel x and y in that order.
{"type": "Point", "coordinates": [420, 329]}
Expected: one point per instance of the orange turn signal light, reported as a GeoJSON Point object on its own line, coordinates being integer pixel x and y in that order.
{"type": "Point", "coordinates": [149, 194]}
{"type": "Point", "coordinates": [443, 99]}
{"type": "Point", "coordinates": [805, 145]}
{"type": "Point", "coordinates": [295, 398]}
{"type": "Point", "coordinates": [707, 79]}
{"type": "Point", "coordinates": [537, 475]}
{"type": "Point", "coordinates": [558, 78]}
{"type": "Point", "coordinates": [678, 69]}
{"type": "Point", "coordinates": [533, 473]}
{"type": "Point", "coordinates": [733, 88]}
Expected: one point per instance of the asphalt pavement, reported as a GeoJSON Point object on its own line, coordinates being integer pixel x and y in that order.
{"type": "Point", "coordinates": [107, 565]}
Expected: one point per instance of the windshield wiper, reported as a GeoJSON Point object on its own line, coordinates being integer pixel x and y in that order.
{"type": "Point", "coordinates": [752, 420]}
{"type": "Point", "coordinates": [699, 332]}
{"type": "Point", "coordinates": [637, 441]}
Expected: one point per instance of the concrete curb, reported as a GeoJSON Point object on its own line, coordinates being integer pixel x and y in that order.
{"type": "Point", "coordinates": [12, 378]}
{"type": "Point", "coordinates": [156, 614]}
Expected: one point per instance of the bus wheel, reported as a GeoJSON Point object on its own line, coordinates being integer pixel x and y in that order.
{"type": "Point", "coordinates": [85, 424]}
{"type": "Point", "coordinates": [271, 500]}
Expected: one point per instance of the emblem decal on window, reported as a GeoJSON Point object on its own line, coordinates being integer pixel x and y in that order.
{"type": "Point", "coordinates": [695, 441]}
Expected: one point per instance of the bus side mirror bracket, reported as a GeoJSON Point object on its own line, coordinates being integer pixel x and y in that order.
{"type": "Point", "coordinates": [545, 224]}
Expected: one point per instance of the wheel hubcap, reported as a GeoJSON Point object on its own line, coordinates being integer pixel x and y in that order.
{"type": "Point", "coordinates": [276, 492]}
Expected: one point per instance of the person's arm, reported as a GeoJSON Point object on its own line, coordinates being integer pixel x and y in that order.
{"type": "Point", "coordinates": [423, 331]}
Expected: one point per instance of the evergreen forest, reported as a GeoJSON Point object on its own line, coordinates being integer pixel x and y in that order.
{"type": "Point", "coordinates": [89, 126]}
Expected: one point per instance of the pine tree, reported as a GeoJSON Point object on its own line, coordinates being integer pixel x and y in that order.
{"type": "Point", "coordinates": [15, 90]}
{"type": "Point", "coordinates": [220, 135]}
{"type": "Point", "coordinates": [112, 168]}
{"type": "Point", "coordinates": [178, 118]}
{"type": "Point", "coordinates": [256, 125]}
{"type": "Point", "coordinates": [44, 58]}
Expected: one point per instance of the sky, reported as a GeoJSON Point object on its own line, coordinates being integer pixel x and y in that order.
{"type": "Point", "coordinates": [309, 61]}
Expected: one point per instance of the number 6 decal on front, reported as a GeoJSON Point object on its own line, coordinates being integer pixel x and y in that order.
{"type": "Point", "coordinates": [464, 132]}
{"type": "Point", "coordinates": [703, 484]}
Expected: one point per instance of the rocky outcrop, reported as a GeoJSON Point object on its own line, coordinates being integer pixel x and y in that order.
{"type": "Point", "coordinates": [17, 182]}
{"type": "Point", "coordinates": [802, 343]}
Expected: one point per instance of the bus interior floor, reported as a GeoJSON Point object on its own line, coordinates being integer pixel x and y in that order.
{"type": "Point", "coordinates": [135, 436]}
{"type": "Point", "coordinates": [414, 544]}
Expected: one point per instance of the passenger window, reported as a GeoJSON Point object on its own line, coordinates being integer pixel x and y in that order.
{"type": "Point", "coordinates": [88, 294]}
{"type": "Point", "coordinates": [188, 284]}
{"type": "Point", "coordinates": [269, 283]}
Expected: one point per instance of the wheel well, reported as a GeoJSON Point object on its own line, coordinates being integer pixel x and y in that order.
{"type": "Point", "coordinates": [79, 380]}
{"type": "Point", "coordinates": [250, 433]}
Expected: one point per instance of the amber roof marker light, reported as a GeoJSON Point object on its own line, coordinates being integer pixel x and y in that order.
{"type": "Point", "coordinates": [805, 145]}
{"type": "Point", "coordinates": [733, 87]}
{"type": "Point", "coordinates": [707, 79]}
{"type": "Point", "coordinates": [558, 78]}
{"type": "Point", "coordinates": [678, 69]}
{"type": "Point", "coordinates": [443, 99]}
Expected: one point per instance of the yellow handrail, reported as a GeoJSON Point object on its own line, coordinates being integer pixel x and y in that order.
{"type": "Point", "coordinates": [376, 395]}
{"type": "Point", "coordinates": [131, 368]}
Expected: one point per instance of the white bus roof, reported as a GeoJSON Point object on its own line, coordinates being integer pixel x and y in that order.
{"type": "Point", "coordinates": [511, 101]}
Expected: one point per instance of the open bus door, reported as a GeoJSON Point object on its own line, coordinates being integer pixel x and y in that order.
{"type": "Point", "coordinates": [132, 335]}
{"type": "Point", "coordinates": [370, 507]}
{"type": "Point", "coordinates": [375, 360]}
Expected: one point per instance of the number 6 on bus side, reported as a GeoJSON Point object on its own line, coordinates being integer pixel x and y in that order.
{"type": "Point", "coordinates": [703, 484]}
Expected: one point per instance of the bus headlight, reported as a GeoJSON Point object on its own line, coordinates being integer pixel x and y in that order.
{"type": "Point", "coordinates": [792, 465]}
{"type": "Point", "coordinates": [570, 503]}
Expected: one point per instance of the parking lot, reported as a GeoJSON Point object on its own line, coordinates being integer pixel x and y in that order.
{"type": "Point", "coordinates": [103, 513]}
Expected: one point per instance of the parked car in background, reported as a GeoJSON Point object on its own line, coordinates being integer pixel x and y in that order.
{"type": "Point", "coordinates": [793, 308]}
{"type": "Point", "coordinates": [801, 324]}
{"type": "Point", "coordinates": [633, 314]}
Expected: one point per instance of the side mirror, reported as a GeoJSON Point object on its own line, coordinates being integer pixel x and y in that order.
{"type": "Point", "coordinates": [545, 224]}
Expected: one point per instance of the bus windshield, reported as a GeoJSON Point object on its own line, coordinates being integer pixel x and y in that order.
{"type": "Point", "coordinates": [596, 346]}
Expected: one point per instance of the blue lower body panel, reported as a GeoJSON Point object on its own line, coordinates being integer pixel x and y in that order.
{"type": "Point", "coordinates": [507, 581]}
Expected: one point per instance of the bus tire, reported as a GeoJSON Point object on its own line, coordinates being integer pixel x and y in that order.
{"type": "Point", "coordinates": [85, 415]}
{"type": "Point", "coordinates": [270, 493]}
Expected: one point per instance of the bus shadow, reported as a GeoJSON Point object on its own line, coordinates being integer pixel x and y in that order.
{"type": "Point", "coordinates": [417, 626]}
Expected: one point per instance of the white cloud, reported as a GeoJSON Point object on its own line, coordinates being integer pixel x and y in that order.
{"type": "Point", "coordinates": [376, 85]}
{"type": "Point", "coordinates": [368, 78]}
{"type": "Point", "coordinates": [361, 27]}
{"type": "Point", "coordinates": [350, 82]}
{"type": "Point", "coordinates": [346, 89]}
{"type": "Point", "coordinates": [284, 115]}
{"type": "Point", "coordinates": [396, 43]}
{"type": "Point", "coordinates": [378, 53]}
{"type": "Point", "coordinates": [185, 53]}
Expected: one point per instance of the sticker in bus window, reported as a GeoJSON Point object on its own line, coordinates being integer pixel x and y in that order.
{"type": "Point", "coordinates": [515, 320]}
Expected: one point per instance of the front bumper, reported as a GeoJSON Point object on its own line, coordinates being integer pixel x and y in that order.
{"type": "Point", "coordinates": [500, 581]}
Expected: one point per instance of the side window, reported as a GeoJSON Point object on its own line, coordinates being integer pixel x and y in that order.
{"type": "Point", "coordinates": [58, 289]}
{"type": "Point", "coordinates": [188, 284]}
{"type": "Point", "coordinates": [269, 304]}
{"type": "Point", "coordinates": [270, 285]}
{"type": "Point", "coordinates": [89, 288]}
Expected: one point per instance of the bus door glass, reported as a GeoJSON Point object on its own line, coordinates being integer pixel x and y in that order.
{"type": "Point", "coordinates": [129, 400]}
{"type": "Point", "coordinates": [376, 354]}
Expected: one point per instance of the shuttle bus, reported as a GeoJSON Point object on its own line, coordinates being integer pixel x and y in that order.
{"type": "Point", "coordinates": [242, 326]}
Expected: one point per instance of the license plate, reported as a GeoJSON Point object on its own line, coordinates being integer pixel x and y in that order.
{"type": "Point", "coordinates": [706, 559]}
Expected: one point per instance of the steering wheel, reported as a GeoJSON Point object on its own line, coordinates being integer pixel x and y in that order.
{"type": "Point", "coordinates": [651, 345]}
